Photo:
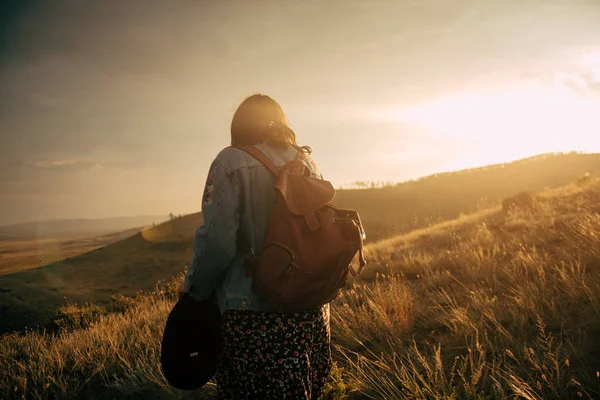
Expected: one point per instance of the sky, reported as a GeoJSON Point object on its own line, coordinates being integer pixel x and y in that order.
{"type": "Point", "coordinates": [117, 108]}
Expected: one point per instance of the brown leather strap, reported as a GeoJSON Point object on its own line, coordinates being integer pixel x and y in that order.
{"type": "Point", "coordinates": [304, 202]}
{"type": "Point", "coordinates": [264, 160]}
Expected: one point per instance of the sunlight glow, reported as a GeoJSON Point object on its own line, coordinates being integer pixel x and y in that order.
{"type": "Point", "coordinates": [513, 123]}
{"type": "Point", "coordinates": [591, 62]}
{"type": "Point", "coordinates": [591, 57]}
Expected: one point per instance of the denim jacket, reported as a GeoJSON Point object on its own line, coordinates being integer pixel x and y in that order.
{"type": "Point", "coordinates": [238, 197]}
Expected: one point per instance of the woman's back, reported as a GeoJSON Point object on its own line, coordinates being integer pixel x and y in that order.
{"type": "Point", "coordinates": [258, 190]}
{"type": "Point", "coordinates": [266, 354]}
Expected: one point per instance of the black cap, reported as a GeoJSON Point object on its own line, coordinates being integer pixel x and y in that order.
{"type": "Point", "coordinates": [192, 343]}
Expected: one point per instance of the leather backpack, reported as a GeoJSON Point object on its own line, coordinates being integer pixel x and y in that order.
{"type": "Point", "coordinates": [309, 244]}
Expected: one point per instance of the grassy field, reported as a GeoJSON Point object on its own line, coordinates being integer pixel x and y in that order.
{"type": "Point", "coordinates": [68, 229]}
{"type": "Point", "coordinates": [50, 271]}
{"type": "Point", "coordinates": [21, 255]}
{"type": "Point", "coordinates": [488, 306]}
{"type": "Point", "coordinates": [492, 306]}
{"type": "Point", "coordinates": [124, 267]}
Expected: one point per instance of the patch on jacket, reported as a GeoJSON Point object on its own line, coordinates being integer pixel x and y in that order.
{"type": "Point", "coordinates": [207, 197]}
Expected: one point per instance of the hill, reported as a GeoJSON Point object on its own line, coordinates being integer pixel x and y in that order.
{"type": "Point", "coordinates": [126, 266]}
{"type": "Point", "coordinates": [75, 228]}
{"type": "Point", "coordinates": [137, 263]}
{"type": "Point", "coordinates": [407, 206]}
{"type": "Point", "coordinates": [27, 254]}
{"type": "Point", "coordinates": [487, 306]}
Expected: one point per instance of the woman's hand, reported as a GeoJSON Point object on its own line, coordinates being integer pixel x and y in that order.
{"type": "Point", "coordinates": [181, 290]}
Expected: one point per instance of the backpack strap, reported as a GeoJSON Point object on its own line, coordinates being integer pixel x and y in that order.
{"type": "Point", "coordinates": [264, 160]}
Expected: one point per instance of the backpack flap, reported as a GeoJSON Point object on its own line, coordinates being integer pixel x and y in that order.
{"type": "Point", "coordinates": [303, 194]}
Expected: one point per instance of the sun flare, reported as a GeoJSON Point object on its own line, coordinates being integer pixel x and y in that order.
{"type": "Point", "coordinates": [509, 124]}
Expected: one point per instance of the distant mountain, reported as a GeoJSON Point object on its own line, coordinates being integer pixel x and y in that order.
{"type": "Point", "coordinates": [414, 204]}
{"type": "Point", "coordinates": [74, 228]}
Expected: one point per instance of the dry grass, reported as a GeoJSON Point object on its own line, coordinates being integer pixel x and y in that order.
{"type": "Point", "coordinates": [117, 356]}
{"type": "Point", "coordinates": [40, 275]}
{"type": "Point", "coordinates": [18, 256]}
{"type": "Point", "coordinates": [487, 307]}
{"type": "Point", "coordinates": [114, 356]}
{"type": "Point", "coordinates": [30, 297]}
{"type": "Point", "coordinates": [490, 308]}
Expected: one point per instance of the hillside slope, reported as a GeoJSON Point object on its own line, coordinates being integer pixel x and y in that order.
{"type": "Point", "coordinates": [126, 267]}
{"type": "Point", "coordinates": [489, 306]}
{"type": "Point", "coordinates": [22, 255]}
{"type": "Point", "coordinates": [75, 228]}
{"type": "Point", "coordinates": [412, 205]}
{"type": "Point", "coordinates": [136, 263]}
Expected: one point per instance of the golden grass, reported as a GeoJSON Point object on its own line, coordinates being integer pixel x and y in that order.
{"type": "Point", "coordinates": [31, 296]}
{"type": "Point", "coordinates": [486, 307]}
{"type": "Point", "coordinates": [23, 255]}
{"type": "Point", "coordinates": [42, 273]}
{"type": "Point", "coordinates": [494, 308]}
{"type": "Point", "coordinates": [20, 255]}
{"type": "Point", "coordinates": [115, 357]}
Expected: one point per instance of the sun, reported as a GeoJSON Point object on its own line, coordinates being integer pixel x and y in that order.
{"type": "Point", "coordinates": [511, 123]}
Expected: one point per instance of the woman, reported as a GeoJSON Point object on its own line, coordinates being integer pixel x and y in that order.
{"type": "Point", "coordinates": [267, 354]}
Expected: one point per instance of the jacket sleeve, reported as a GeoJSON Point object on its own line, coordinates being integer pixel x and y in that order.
{"type": "Point", "coordinates": [312, 165]}
{"type": "Point", "coordinates": [316, 172]}
{"type": "Point", "coordinates": [215, 242]}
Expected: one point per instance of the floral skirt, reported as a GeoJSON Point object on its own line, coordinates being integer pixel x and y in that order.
{"type": "Point", "coordinates": [271, 355]}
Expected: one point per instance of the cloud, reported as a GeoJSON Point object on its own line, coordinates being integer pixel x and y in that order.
{"type": "Point", "coordinates": [586, 84]}
{"type": "Point", "coordinates": [570, 81]}
{"type": "Point", "coordinates": [582, 77]}
{"type": "Point", "coordinates": [66, 165]}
